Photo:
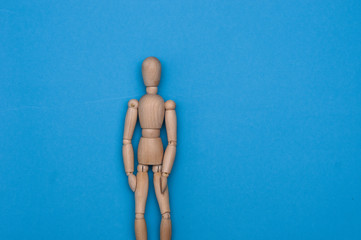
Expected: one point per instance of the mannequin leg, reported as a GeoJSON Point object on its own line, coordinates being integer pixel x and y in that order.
{"type": "Point", "coordinates": [141, 193]}
{"type": "Point", "coordinates": [163, 201]}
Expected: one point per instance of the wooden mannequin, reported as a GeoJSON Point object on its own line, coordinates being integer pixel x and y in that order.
{"type": "Point", "coordinates": [151, 110]}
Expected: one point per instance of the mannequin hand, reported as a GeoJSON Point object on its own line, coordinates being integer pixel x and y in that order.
{"type": "Point", "coordinates": [132, 180]}
{"type": "Point", "coordinates": [163, 182]}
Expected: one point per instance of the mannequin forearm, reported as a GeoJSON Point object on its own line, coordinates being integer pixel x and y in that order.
{"type": "Point", "coordinates": [128, 156]}
{"type": "Point", "coordinates": [169, 157]}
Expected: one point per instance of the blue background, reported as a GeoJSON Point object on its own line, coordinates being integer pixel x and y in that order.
{"type": "Point", "coordinates": [268, 100]}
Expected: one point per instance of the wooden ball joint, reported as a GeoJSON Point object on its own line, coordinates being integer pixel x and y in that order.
{"type": "Point", "coordinates": [152, 110]}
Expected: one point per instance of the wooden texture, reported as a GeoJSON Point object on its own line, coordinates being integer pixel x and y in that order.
{"type": "Point", "coordinates": [130, 122]}
{"type": "Point", "coordinates": [128, 158]}
{"type": "Point", "coordinates": [141, 194]}
{"type": "Point", "coordinates": [169, 157]}
{"type": "Point", "coordinates": [152, 111]}
{"type": "Point", "coordinates": [171, 121]}
{"type": "Point", "coordinates": [150, 133]}
{"type": "Point", "coordinates": [171, 126]}
{"type": "Point", "coordinates": [141, 191]}
{"type": "Point", "coordinates": [150, 151]}
{"type": "Point", "coordinates": [163, 202]}
{"type": "Point", "coordinates": [130, 119]}
{"type": "Point", "coordinates": [165, 229]}
{"type": "Point", "coordinates": [140, 227]}
{"type": "Point", "coordinates": [163, 198]}
{"type": "Point", "coordinates": [132, 181]}
{"type": "Point", "coordinates": [151, 70]}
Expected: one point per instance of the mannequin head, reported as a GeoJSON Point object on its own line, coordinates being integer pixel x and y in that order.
{"type": "Point", "coordinates": [151, 70]}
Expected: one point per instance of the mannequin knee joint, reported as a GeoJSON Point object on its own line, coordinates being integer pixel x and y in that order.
{"type": "Point", "coordinates": [166, 215]}
{"type": "Point", "coordinates": [139, 215]}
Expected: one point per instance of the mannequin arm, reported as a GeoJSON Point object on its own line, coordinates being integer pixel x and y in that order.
{"type": "Point", "coordinates": [169, 155]}
{"type": "Point", "coordinates": [128, 152]}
